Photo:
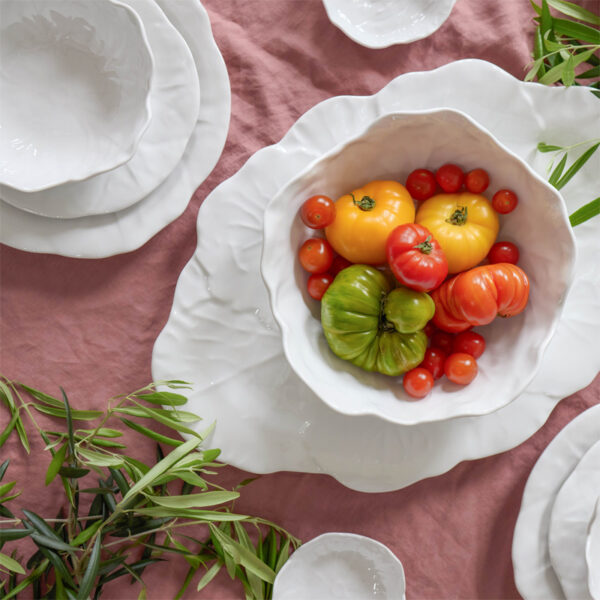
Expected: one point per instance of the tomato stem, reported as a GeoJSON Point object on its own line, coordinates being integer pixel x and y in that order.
{"type": "Point", "coordinates": [365, 203]}
{"type": "Point", "coordinates": [458, 217]}
{"type": "Point", "coordinates": [426, 247]}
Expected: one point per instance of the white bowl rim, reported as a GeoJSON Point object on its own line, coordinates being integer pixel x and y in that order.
{"type": "Point", "coordinates": [558, 312]}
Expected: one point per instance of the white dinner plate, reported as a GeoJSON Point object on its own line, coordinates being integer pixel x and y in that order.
{"type": "Point", "coordinates": [592, 554]}
{"type": "Point", "coordinates": [382, 23]}
{"type": "Point", "coordinates": [342, 566]}
{"type": "Point", "coordinates": [572, 512]}
{"type": "Point", "coordinates": [221, 334]}
{"type": "Point", "coordinates": [534, 575]}
{"type": "Point", "coordinates": [175, 101]}
{"type": "Point", "coordinates": [99, 236]}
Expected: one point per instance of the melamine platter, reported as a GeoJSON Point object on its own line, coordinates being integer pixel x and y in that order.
{"type": "Point", "coordinates": [221, 334]}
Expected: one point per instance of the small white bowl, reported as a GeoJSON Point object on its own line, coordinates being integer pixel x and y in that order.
{"type": "Point", "coordinates": [342, 566]}
{"type": "Point", "coordinates": [391, 148]}
{"type": "Point", "coordinates": [383, 23]}
{"type": "Point", "coordinates": [75, 80]}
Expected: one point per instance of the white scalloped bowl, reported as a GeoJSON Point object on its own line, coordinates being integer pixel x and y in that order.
{"type": "Point", "coordinates": [75, 79]}
{"type": "Point", "coordinates": [391, 148]}
{"type": "Point", "coordinates": [592, 553]}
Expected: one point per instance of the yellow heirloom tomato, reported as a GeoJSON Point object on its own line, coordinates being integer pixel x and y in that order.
{"type": "Point", "coordinates": [365, 217]}
{"type": "Point", "coordinates": [465, 225]}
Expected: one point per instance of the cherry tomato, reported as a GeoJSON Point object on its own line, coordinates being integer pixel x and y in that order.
{"type": "Point", "coordinates": [429, 329]}
{"type": "Point", "coordinates": [504, 201]}
{"type": "Point", "coordinates": [450, 177]}
{"type": "Point", "coordinates": [318, 212]}
{"type": "Point", "coordinates": [477, 181]}
{"type": "Point", "coordinates": [317, 284]}
{"type": "Point", "coordinates": [434, 362]}
{"type": "Point", "coordinates": [469, 342]}
{"type": "Point", "coordinates": [443, 341]}
{"type": "Point", "coordinates": [504, 252]}
{"type": "Point", "coordinates": [421, 184]}
{"type": "Point", "coordinates": [316, 255]}
{"type": "Point", "coordinates": [417, 382]}
{"type": "Point", "coordinates": [339, 263]}
{"type": "Point", "coordinates": [460, 368]}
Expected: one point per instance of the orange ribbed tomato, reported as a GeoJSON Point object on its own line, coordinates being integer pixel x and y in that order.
{"type": "Point", "coordinates": [465, 226]}
{"type": "Point", "coordinates": [365, 217]}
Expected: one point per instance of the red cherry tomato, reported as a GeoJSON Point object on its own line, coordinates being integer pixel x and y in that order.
{"type": "Point", "coordinates": [415, 257]}
{"type": "Point", "coordinates": [504, 252]}
{"type": "Point", "coordinates": [339, 263]}
{"type": "Point", "coordinates": [417, 382]}
{"type": "Point", "coordinates": [460, 368]}
{"type": "Point", "coordinates": [442, 340]}
{"type": "Point", "coordinates": [434, 362]}
{"type": "Point", "coordinates": [421, 184]}
{"type": "Point", "coordinates": [317, 284]}
{"type": "Point", "coordinates": [450, 178]}
{"type": "Point", "coordinates": [429, 329]}
{"type": "Point", "coordinates": [469, 342]}
{"type": "Point", "coordinates": [477, 181]}
{"type": "Point", "coordinates": [504, 201]}
{"type": "Point", "coordinates": [318, 212]}
{"type": "Point", "coordinates": [316, 255]}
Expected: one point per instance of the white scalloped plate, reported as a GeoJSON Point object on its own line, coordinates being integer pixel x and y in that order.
{"type": "Point", "coordinates": [221, 334]}
{"type": "Point", "coordinates": [99, 236]}
{"type": "Point", "coordinates": [592, 554]}
{"type": "Point", "coordinates": [534, 575]}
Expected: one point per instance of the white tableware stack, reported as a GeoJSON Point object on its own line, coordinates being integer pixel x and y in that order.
{"type": "Point", "coordinates": [104, 107]}
{"type": "Point", "coordinates": [556, 548]}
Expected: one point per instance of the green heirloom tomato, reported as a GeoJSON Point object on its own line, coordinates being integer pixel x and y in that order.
{"type": "Point", "coordinates": [371, 325]}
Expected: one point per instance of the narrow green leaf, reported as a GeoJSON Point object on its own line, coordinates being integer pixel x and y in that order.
{"type": "Point", "coordinates": [3, 468]}
{"type": "Point", "coordinates": [102, 432]}
{"type": "Point", "coordinates": [102, 443]}
{"type": "Point", "coordinates": [586, 212]}
{"type": "Point", "coordinates": [130, 569]}
{"type": "Point", "coordinates": [186, 582]}
{"type": "Point", "coordinates": [569, 73]}
{"type": "Point", "coordinates": [39, 524]}
{"type": "Point", "coordinates": [51, 542]}
{"type": "Point", "coordinates": [98, 459]}
{"type": "Point", "coordinates": [11, 564]}
{"type": "Point", "coordinates": [256, 584]}
{"type": "Point", "coordinates": [190, 513]}
{"type": "Point", "coordinates": [6, 487]}
{"type": "Point", "coordinates": [535, 7]}
{"type": "Point", "coordinates": [575, 167]}
{"type": "Point", "coordinates": [546, 19]}
{"type": "Point", "coordinates": [575, 11]}
{"type": "Point", "coordinates": [209, 576]}
{"type": "Point", "coordinates": [22, 435]}
{"type": "Point", "coordinates": [593, 72]}
{"type": "Point", "coordinates": [11, 425]}
{"type": "Point", "coordinates": [86, 534]}
{"type": "Point", "coordinates": [56, 463]}
{"type": "Point", "coordinates": [120, 480]}
{"type": "Point", "coordinates": [77, 415]}
{"type": "Point", "coordinates": [284, 554]}
{"type": "Point", "coordinates": [42, 397]}
{"type": "Point", "coordinates": [91, 571]}
{"type": "Point", "coordinates": [59, 566]}
{"type": "Point", "coordinates": [27, 581]}
{"type": "Point", "coordinates": [557, 172]}
{"type": "Point", "coordinates": [151, 434]}
{"type": "Point", "coordinates": [194, 500]}
{"type": "Point", "coordinates": [543, 147]}
{"type": "Point", "coordinates": [73, 472]}
{"type": "Point", "coordinates": [577, 31]}
{"type": "Point", "coordinates": [164, 398]}
{"type": "Point", "coordinates": [69, 424]}
{"type": "Point", "coordinates": [8, 535]}
{"type": "Point", "coordinates": [550, 45]}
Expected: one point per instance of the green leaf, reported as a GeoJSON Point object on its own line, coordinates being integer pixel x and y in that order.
{"type": "Point", "coordinates": [100, 460]}
{"type": "Point", "coordinates": [11, 425]}
{"type": "Point", "coordinates": [8, 535]}
{"type": "Point", "coordinates": [577, 12]}
{"type": "Point", "coordinates": [551, 45]}
{"type": "Point", "coordinates": [593, 72]}
{"type": "Point", "coordinates": [162, 398]}
{"type": "Point", "coordinates": [535, 7]}
{"type": "Point", "coordinates": [557, 72]}
{"type": "Point", "coordinates": [243, 556]}
{"type": "Point", "coordinates": [73, 472]}
{"type": "Point", "coordinates": [56, 463]}
{"type": "Point", "coordinates": [186, 582]}
{"type": "Point", "coordinates": [255, 582]}
{"type": "Point", "coordinates": [557, 172]}
{"type": "Point", "coordinates": [42, 397]}
{"type": "Point", "coordinates": [91, 572]}
{"type": "Point", "coordinates": [575, 167]}
{"type": "Point", "coordinates": [209, 575]}
{"type": "Point", "coordinates": [86, 534]}
{"type": "Point", "coordinates": [120, 480]}
{"type": "Point", "coordinates": [27, 581]}
{"type": "Point", "coordinates": [194, 500]}
{"type": "Point", "coordinates": [39, 524]}
{"type": "Point", "coordinates": [3, 468]}
{"type": "Point", "coordinates": [586, 212]}
{"type": "Point", "coordinates": [102, 432]}
{"type": "Point", "coordinates": [577, 31]}
{"type": "Point", "coordinates": [58, 565]}
{"type": "Point", "coordinates": [543, 147]}
{"type": "Point", "coordinates": [6, 487]}
{"type": "Point", "coordinates": [11, 564]}
{"type": "Point", "coordinates": [51, 542]}
{"type": "Point", "coordinates": [190, 513]}
{"type": "Point", "coordinates": [284, 554]}
{"type": "Point", "coordinates": [569, 73]}
{"type": "Point", "coordinates": [77, 415]}
{"type": "Point", "coordinates": [151, 434]}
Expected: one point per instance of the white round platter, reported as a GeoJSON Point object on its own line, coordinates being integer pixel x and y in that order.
{"type": "Point", "coordinates": [572, 512]}
{"type": "Point", "coordinates": [534, 575]}
{"type": "Point", "coordinates": [592, 554]}
{"type": "Point", "coordinates": [383, 23]}
{"type": "Point", "coordinates": [175, 100]}
{"type": "Point", "coordinates": [221, 334]}
{"type": "Point", "coordinates": [99, 236]}
{"type": "Point", "coordinates": [345, 566]}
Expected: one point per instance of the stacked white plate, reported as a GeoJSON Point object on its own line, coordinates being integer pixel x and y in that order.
{"type": "Point", "coordinates": [119, 210]}
{"type": "Point", "coordinates": [221, 334]}
{"type": "Point", "coordinates": [556, 546]}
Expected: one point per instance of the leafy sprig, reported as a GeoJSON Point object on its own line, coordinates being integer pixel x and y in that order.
{"type": "Point", "coordinates": [122, 515]}
{"type": "Point", "coordinates": [561, 45]}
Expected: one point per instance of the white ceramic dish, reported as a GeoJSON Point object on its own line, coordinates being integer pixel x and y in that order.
{"type": "Point", "coordinates": [342, 566]}
{"type": "Point", "coordinates": [105, 235]}
{"type": "Point", "coordinates": [75, 80]}
{"type": "Point", "coordinates": [222, 336]}
{"type": "Point", "coordinates": [390, 148]}
{"type": "Point", "coordinates": [572, 512]}
{"type": "Point", "coordinates": [534, 575]}
{"type": "Point", "coordinates": [175, 98]}
{"type": "Point", "coordinates": [383, 23]}
{"type": "Point", "coordinates": [592, 553]}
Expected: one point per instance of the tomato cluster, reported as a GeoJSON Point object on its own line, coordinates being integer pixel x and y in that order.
{"type": "Point", "coordinates": [437, 234]}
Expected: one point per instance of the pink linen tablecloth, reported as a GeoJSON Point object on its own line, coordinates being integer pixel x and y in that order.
{"type": "Point", "coordinates": [90, 325]}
